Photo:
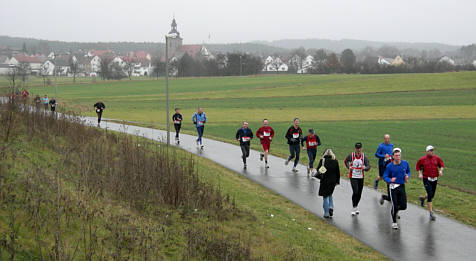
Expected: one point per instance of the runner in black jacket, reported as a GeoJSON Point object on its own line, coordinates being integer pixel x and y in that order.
{"type": "Point", "coordinates": [244, 136]}
{"type": "Point", "coordinates": [177, 119]}
{"type": "Point", "coordinates": [294, 135]}
{"type": "Point", "coordinates": [99, 107]}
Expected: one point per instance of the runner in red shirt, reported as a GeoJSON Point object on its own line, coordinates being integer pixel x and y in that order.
{"type": "Point", "coordinates": [429, 168]}
{"type": "Point", "coordinates": [265, 134]}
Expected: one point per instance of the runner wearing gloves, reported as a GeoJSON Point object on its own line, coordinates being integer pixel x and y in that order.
{"type": "Point", "coordinates": [357, 163]}
{"type": "Point", "coordinates": [199, 119]}
{"type": "Point", "coordinates": [311, 142]}
{"type": "Point", "coordinates": [293, 135]}
{"type": "Point", "coordinates": [244, 136]}
{"type": "Point", "coordinates": [177, 119]}
{"type": "Point", "coordinates": [427, 167]}
{"type": "Point", "coordinates": [396, 174]}
{"type": "Point", "coordinates": [265, 133]}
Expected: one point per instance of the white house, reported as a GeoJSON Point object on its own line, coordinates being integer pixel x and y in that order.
{"type": "Point", "coordinates": [95, 65]}
{"type": "Point", "coordinates": [446, 59]}
{"type": "Point", "coordinates": [306, 64]}
{"type": "Point", "coordinates": [47, 68]}
{"type": "Point", "coordinates": [275, 64]}
{"type": "Point", "coordinates": [384, 61]}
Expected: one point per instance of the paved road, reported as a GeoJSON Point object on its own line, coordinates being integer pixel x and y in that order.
{"type": "Point", "coordinates": [417, 238]}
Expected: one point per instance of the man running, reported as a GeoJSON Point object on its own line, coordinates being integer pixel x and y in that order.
{"type": "Point", "coordinates": [265, 133]}
{"type": "Point", "coordinates": [45, 101]}
{"type": "Point", "coordinates": [177, 119]}
{"type": "Point", "coordinates": [53, 104]}
{"type": "Point", "coordinates": [37, 101]}
{"type": "Point", "coordinates": [312, 141]}
{"type": "Point", "coordinates": [25, 94]}
{"type": "Point", "coordinates": [244, 136]}
{"type": "Point", "coordinates": [383, 153]}
{"type": "Point", "coordinates": [199, 119]}
{"type": "Point", "coordinates": [357, 163]}
{"type": "Point", "coordinates": [99, 107]}
{"type": "Point", "coordinates": [293, 135]}
{"type": "Point", "coordinates": [396, 174]}
{"type": "Point", "coordinates": [429, 168]}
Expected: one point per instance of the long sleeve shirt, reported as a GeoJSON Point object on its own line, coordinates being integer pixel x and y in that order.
{"type": "Point", "coordinates": [177, 118]}
{"type": "Point", "coordinates": [293, 135]}
{"type": "Point", "coordinates": [382, 150]}
{"type": "Point", "coordinates": [430, 166]}
{"type": "Point", "coordinates": [265, 133]}
{"type": "Point", "coordinates": [396, 171]}
{"type": "Point", "coordinates": [244, 136]}
{"type": "Point", "coordinates": [199, 119]}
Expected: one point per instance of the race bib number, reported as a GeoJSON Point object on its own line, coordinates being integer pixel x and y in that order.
{"type": "Point", "coordinates": [53, 105]}
{"type": "Point", "coordinates": [266, 134]}
{"type": "Point", "coordinates": [394, 186]}
{"type": "Point", "coordinates": [433, 179]}
{"type": "Point", "coordinates": [312, 143]}
{"type": "Point", "coordinates": [295, 135]}
{"type": "Point", "coordinates": [176, 122]}
{"type": "Point", "coordinates": [245, 139]}
{"type": "Point", "coordinates": [98, 110]}
{"type": "Point", "coordinates": [200, 123]}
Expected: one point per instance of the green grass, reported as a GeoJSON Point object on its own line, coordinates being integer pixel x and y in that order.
{"type": "Point", "coordinates": [284, 236]}
{"type": "Point", "coordinates": [416, 109]}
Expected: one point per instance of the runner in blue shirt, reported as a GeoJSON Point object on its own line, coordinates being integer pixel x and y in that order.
{"type": "Point", "coordinates": [396, 175]}
{"type": "Point", "coordinates": [199, 119]}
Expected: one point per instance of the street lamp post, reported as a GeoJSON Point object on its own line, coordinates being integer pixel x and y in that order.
{"type": "Point", "coordinates": [167, 87]}
{"type": "Point", "coordinates": [55, 71]}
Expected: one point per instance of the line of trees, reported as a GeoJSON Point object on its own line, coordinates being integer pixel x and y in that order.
{"type": "Point", "coordinates": [230, 64]}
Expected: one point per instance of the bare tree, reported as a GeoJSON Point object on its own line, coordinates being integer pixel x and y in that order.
{"type": "Point", "coordinates": [73, 66]}
{"type": "Point", "coordinates": [104, 67]}
{"type": "Point", "coordinates": [129, 67]}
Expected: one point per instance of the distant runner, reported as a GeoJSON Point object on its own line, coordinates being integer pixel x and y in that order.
{"type": "Point", "coordinates": [397, 174]}
{"type": "Point", "coordinates": [99, 107]}
{"type": "Point", "coordinates": [37, 101]}
{"type": "Point", "coordinates": [357, 163]}
{"type": "Point", "coordinates": [177, 119]}
{"type": "Point", "coordinates": [311, 142]}
{"type": "Point", "coordinates": [265, 133]}
{"type": "Point", "coordinates": [244, 136]}
{"type": "Point", "coordinates": [45, 101]}
{"type": "Point", "coordinates": [53, 104]}
{"type": "Point", "coordinates": [384, 155]}
{"type": "Point", "coordinates": [199, 119]}
{"type": "Point", "coordinates": [293, 135]}
{"type": "Point", "coordinates": [25, 94]}
{"type": "Point", "coordinates": [427, 167]}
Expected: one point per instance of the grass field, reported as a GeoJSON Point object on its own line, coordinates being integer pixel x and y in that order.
{"type": "Point", "coordinates": [43, 195]}
{"type": "Point", "coordinates": [416, 109]}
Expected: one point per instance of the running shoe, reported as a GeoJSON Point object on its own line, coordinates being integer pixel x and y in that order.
{"type": "Point", "coordinates": [198, 144]}
{"type": "Point", "coordinates": [331, 212]}
{"type": "Point", "coordinates": [308, 171]}
{"type": "Point", "coordinates": [357, 211]}
{"type": "Point", "coordinates": [294, 169]}
{"type": "Point", "coordinates": [353, 212]}
{"type": "Point", "coordinates": [261, 156]}
{"type": "Point", "coordinates": [244, 166]}
{"type": "Point", "coordinates": [394, 225]}
{"type": "Point", "coordinates": [432, 217]}
{"type": "Point", "coordinates": [326, 216]}
{"type": "Point", "coordinates": [201, 147]}
{"type": "Point", "coordinates": [376, 184]}
{"type": "Point", "coordinates": [422, 201]}
{"type": "Point", "coordinates": [266, 165]}
{"type": "Point", "coordinates": [381, 200]}
{"type": "Point", "coordinates": [286, 162]}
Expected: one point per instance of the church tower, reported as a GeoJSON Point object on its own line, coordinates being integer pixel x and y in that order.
{"type": "Point", "coordinates": [175, 41]}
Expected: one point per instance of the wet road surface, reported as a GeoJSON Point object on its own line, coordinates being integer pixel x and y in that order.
{"type": "Point", "coordinates": [417, 238]}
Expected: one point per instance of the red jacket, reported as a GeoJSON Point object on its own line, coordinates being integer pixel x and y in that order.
{"type": "Point", "coordinates": [430, 166]}
{"type": "Point", "coordinates": [265, 133]}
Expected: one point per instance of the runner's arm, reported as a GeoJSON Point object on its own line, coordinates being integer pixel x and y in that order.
{"type": "Point", "coordinates": [347, 160]}
{"type": "Point", "coordinates": [366, 163]}
{"type": "Point", "coordinates": [318, 141]}
{"type": "Point", "coordinates": [378, 153]}
{"type": "Point", "coordinates": [303, 140]}
{"type": "Point", "coordinates": [386, 176]}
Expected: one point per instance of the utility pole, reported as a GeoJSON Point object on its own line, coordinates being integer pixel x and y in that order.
{"type": "Point", "coordinates": [55, 71]}
{"type": "Point", "coordinates": [167, 87]}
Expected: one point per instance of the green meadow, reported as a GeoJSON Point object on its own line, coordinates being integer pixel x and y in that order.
{"type": "Point", "coordinates": [415, 109]}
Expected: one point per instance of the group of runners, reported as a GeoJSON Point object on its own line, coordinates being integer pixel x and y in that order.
{"type": "Point", "coordinates": [391, 167]}
{"type": "Point", "coordinates": [46, 102]}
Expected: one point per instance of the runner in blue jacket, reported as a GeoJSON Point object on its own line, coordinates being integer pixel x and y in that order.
{"type": "Point", "coordinates": [396, 174]}
{"type": "Point", "coordinates": [384, 155]}
{"type": "Point", "coordinates": [199, 119]}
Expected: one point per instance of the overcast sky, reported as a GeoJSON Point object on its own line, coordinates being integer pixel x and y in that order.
{"type": "Point", "coordinates": [226, 21]}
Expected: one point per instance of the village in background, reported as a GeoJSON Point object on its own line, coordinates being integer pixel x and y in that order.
{"type": "Point", "coordinates": [227, 59]}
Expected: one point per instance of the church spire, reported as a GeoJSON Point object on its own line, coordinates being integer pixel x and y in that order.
{"type": "Point", "coordinates": [174, 28]}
